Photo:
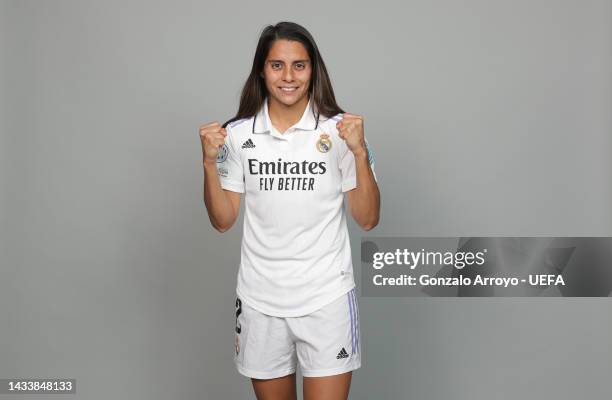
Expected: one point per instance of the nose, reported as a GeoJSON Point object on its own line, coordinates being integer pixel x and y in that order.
{"type": "Point", "coordinates": [287, 74]}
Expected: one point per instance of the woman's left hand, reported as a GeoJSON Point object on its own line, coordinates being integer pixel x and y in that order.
{"type": "Point", "coordinates": [350, 129]}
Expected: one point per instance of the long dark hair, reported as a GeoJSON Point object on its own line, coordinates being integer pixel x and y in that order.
{"type": "Point", "coordinates": [254, 91]}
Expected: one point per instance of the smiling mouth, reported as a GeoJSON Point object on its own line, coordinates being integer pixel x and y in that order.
{"type": "Point", "coordinates": [288, 89]}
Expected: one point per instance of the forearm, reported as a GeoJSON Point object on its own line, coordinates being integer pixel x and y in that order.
{"type": "Point", "coordinates": [365, 198]}
{"type": "Point", "coordinates": [218, 205]}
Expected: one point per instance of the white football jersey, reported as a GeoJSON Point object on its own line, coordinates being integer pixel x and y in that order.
{"type": "Point", "coordinates": [295, 252]}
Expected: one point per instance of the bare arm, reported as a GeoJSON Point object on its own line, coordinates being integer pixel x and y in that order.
{"type": "Point", "coordinates": [364, 200]}
{"type": "Point", "coordinates": [222, 205]}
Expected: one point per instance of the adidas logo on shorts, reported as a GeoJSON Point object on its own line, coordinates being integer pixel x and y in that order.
{"type": "Point", "coordinates": [248, 144]}
{"type": "Point", "coordinates": [342, 354]}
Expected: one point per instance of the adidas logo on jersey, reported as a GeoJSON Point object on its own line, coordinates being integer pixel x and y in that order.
{"type": "Point", "coordinates": [248, 144]}
{"type": "Point", "coordinates": [342, 354]}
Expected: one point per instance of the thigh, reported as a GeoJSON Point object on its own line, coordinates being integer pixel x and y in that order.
{"type": "Point", "coordinates": [264, 348]}
{"type": "Point", "coordinates": [334, 387]}
{"type": "Point", "coordinates": [282, 388]}
{"type": "Point", "coordinates": [327, 340]}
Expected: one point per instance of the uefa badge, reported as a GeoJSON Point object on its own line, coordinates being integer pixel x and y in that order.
{"type": "Point", "coordinates": [223, 152]}
{"type": "Point", "coordinates": [324, 144]}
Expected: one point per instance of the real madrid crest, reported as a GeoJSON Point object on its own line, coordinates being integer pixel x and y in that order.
{"type": "Point", "coordinates": [324, 144]}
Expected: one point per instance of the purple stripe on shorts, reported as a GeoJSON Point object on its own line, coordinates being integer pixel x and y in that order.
{"type": "Point", "coordinates": [356, 320]}
{"type": "Point", "coordinates": [352, 322]}
{"type": "Point", "coordinates": [356, 311]}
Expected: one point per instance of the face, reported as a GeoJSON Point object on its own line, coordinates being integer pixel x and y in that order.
{"type": "Point", "coordinates": [287, 72]}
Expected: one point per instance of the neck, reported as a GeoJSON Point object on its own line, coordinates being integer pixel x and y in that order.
{"type": "Point", "coordinates": [283, 116]}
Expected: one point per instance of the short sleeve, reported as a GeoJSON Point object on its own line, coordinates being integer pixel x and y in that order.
{"type": "Point", "coordinates": [347, 167]}
{"type": "Point", "coordinates": [229, 165]}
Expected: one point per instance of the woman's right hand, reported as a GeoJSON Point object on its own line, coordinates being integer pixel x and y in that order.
{"type": "Point", "coordinates": [212, 136]}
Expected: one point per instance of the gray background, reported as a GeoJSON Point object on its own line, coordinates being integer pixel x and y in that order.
{"type": "Point", "coordinates": [485, 117]}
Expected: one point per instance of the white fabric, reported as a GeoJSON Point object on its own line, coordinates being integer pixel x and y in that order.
{"type": "Point", "coordinates": [295, 253]}
{"type": "Point", "coordinates": [267, 347]}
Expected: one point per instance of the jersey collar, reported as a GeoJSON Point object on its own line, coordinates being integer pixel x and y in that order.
{"type": "Point", "coordinates": [262, 123]}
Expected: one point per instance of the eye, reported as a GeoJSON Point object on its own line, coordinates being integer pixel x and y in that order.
{"type": "Point", "coordinates": [300, 66]}
{"type": "Point", "coordinates": [276, 65]}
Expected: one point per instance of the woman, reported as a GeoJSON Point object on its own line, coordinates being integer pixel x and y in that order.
{"type": "Point", "coordinates": [294, 153]}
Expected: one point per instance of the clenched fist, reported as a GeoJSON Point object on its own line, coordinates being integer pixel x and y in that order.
{"type": "Point", "coordinates": [212, 136]}
{"type": "Point", "coordinates": [350, 129]}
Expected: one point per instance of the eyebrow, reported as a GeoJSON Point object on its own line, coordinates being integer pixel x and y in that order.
{"type": "Point", "coordinates": [281, 61]}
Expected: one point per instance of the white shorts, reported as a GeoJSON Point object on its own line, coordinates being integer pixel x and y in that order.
{"type": "Point", "coordinates": [325, 342]}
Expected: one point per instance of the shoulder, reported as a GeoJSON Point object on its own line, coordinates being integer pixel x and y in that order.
{"type": "Point", "coordinates": [240, 128]}
{"type": "Point", "coordinates": [240, 124]}
{"type": "Point", "coordinates": [333, 119]}
{"type": "Point", "coordinates": [328, 124]}
{"type": "Point", "coordinates": [336, 117]}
